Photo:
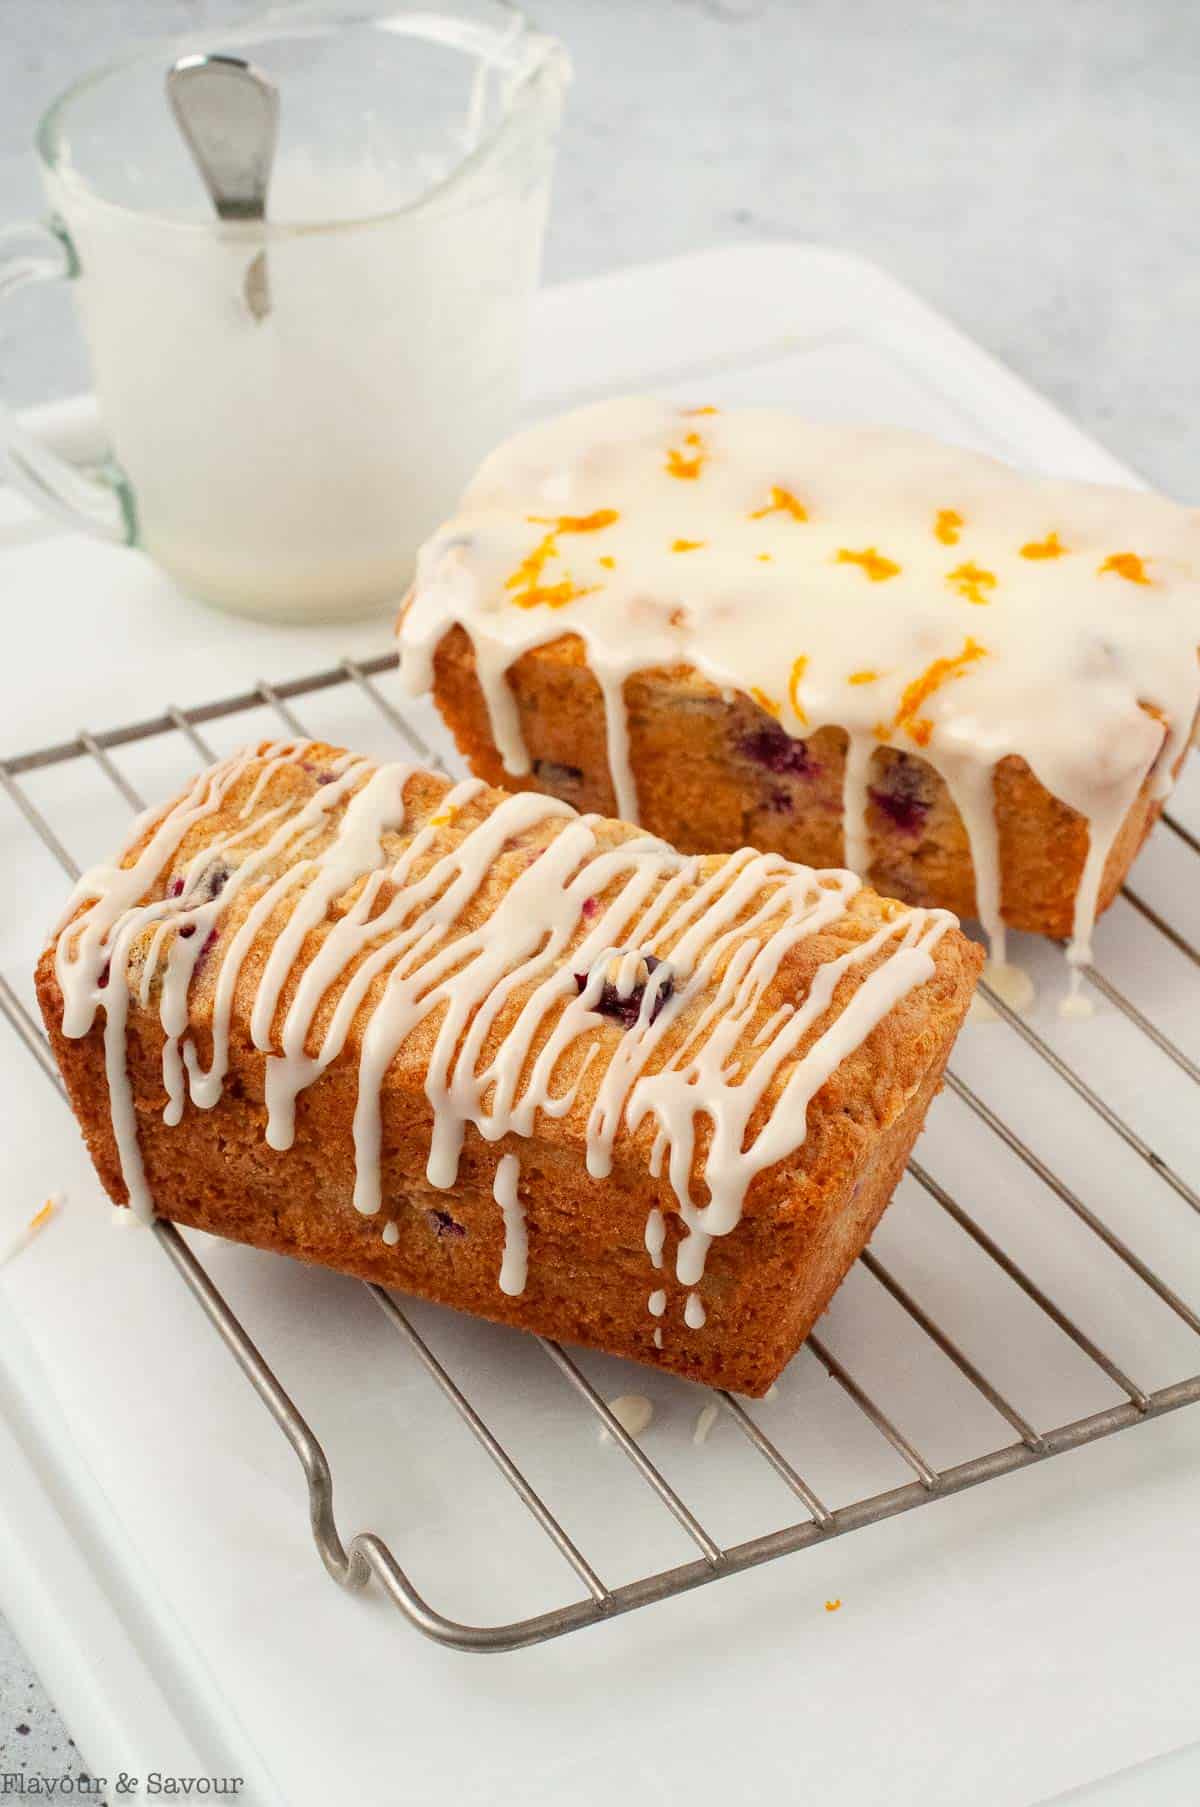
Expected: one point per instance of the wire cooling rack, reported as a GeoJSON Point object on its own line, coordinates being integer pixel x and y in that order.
{"type": "Point", "coordinates": [354, 1563]}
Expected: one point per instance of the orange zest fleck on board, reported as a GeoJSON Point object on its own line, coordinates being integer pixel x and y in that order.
{"type": "Point", "coordinates": [946, 526]}
{"type": "Point", "coordinates": [688, 463]}
{"type": "Point", "coordinates": [1127, 565]}
{"type": "Point", "coordinates": [610, 564]}
{"type": "Point", "coordinates": [765, 558]}
{"type": "Point", "coordinates": [873, 563]}
{"type": "Point", "coordinates": [782, 502]}
{"type": "Point", "coordinates": [43, 1216]}
{"type": "Point", "coordinates": [799, 667]}
{"type": "Point", "coordinates": [687, 545]}
{"type": "Point", "coordinates": [832, 1605]}
{"type": "Point", "coordinates": [917, 694]}
{"type": "Point", "coordinates": [701, 410]}
{"type": "Point", "coordinates": [862, 677]}
{"type": "Point", "coordinates": [1050, 547]}
{"type": "Point", "coordinates": [972, 581]}
{"type": "Point", "coordinates": [766, 702]}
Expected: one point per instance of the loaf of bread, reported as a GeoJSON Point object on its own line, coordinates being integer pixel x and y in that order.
{"type": "Point", "coordinates": [849, 646]}
{"type": "Point", "coordinates": [476, 1047]}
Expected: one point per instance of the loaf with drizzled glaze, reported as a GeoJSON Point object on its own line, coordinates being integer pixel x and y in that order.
{"type": "Point", "coordinates": [850, 645]}
{"type": "Point", "coordinates": [477, 1047]}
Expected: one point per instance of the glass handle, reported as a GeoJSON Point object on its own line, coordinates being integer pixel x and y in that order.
{"type": "Point", "coordinates": [100, 503]}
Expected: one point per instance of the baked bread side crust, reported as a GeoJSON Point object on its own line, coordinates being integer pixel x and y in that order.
{"type": "Point", "coordinates": [713, 773]}
{"type": "Point", "coordinates": [589, 1275]}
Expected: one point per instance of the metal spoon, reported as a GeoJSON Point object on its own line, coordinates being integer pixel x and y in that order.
{"type": "Point", "coordinates": [228, 112]}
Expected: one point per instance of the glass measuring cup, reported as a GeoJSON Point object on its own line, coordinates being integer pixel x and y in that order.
{"type": "Point", "coordinates": [287, 462]}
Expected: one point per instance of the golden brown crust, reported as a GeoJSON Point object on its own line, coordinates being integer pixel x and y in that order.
{"type": "Point", "coordinates": [705, 780]}
{"type": "Point", "coordinates": [805, 1220]}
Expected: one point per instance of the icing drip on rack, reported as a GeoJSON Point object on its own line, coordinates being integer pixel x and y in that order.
{"type": "Point", "coordinates": [523, 945]}
{"type": "Point", "coordinates": [1001, 614]}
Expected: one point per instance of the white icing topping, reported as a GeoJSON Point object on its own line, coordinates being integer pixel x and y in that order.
{"type": "Point", "coordinates": [632, 1411]}
{"type": "Point", "coordinates": [707, 1418]}
{"type": "Point", "coordinates": [658, 1336]}
{"type": "Point", "coordinates": [694, 1314]}
{"type": "Point", "coordinates": [656, 1304]}
{"type": "Point", "coordinates": [1011, 983]}
{"type": "Point", "coordinates": [913, 594]}
{"type": "Point", "coordinates": [333, 920]}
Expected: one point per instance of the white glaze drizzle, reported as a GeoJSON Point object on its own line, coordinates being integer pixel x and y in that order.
{"type": "Point", "coordinates": [658, 1336]}
{"type": "Point", "coordinates": [722, 929]}
{"type": "Point", "coordinates": [659, 563]}
{"type": "Point", "coordinates": [656, 1304]}
{"type": "Point", "coordinates": [632, 1411]}
{"type": "Point", "coordinates": [694, 1314]}
{"type": "Point", "coordinates": [1011, 983]}
{"type": "Point", "coordinates": [514, 1267]}
{"type": "Point", "coordinates": [705, 1420]}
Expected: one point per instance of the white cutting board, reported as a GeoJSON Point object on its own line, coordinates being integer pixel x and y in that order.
{"type": "Point", "coordinates": [1002, 1646]}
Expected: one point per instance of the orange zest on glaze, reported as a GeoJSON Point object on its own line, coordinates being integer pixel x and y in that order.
{"type": "Point", "coordinates": [799, 667]}
{"type": "Point", "coordinates": [782, 502]}
{"type": "Point", "coordinates": [525, 582]}
{"type": "Point", "coordinates": [577, 523]}
{"type": "Point", "coordinates": [1127, 565]}
{"type": "Point", "coordinates": [873, 563]}
{"type": "Point", "coordinates": [701, 411]}
{"type": "Point", "coordinates": [687, 545]}
{"type": "Point", "coordinates": [687, 464]}
{"type": "Point", "coordinates": [862, 677]}
{"type": "Point", "coordinates": [766, 702]}
{"type": "Point", "coordinates": [946, 526]}
{"type": "Point", "coordinates": [764, 558]}
{"type": "Point", "coordinates": [1050, 547]}
{"type": "Point", "coordinates": [610, 564]}
{"type": "Point", "coordinates": [916, 694]}
{"type": "Point", "coordinates": [972, 581]}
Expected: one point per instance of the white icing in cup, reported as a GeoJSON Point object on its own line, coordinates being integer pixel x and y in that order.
{"type": "Point", "coordinates": [287, 462]}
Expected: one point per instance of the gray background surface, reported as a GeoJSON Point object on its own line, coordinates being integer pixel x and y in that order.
{"type": "Point", "coordinates": [1031, 167]}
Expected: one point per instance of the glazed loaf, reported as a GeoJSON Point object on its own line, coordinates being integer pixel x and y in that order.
{"type": "Point", "coordinates": [476, 1047]}
{"type": "Point", "coordinates": [846, 645]}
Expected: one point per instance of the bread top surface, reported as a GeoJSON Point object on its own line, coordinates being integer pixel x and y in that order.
{"type": "Point", "coordinates": [916, 595]}
{"type": "Point", "coordinates": [510, 965]}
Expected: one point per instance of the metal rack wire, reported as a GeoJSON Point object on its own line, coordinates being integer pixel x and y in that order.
{"type": "Point", "coordinates": [353, 1564]}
